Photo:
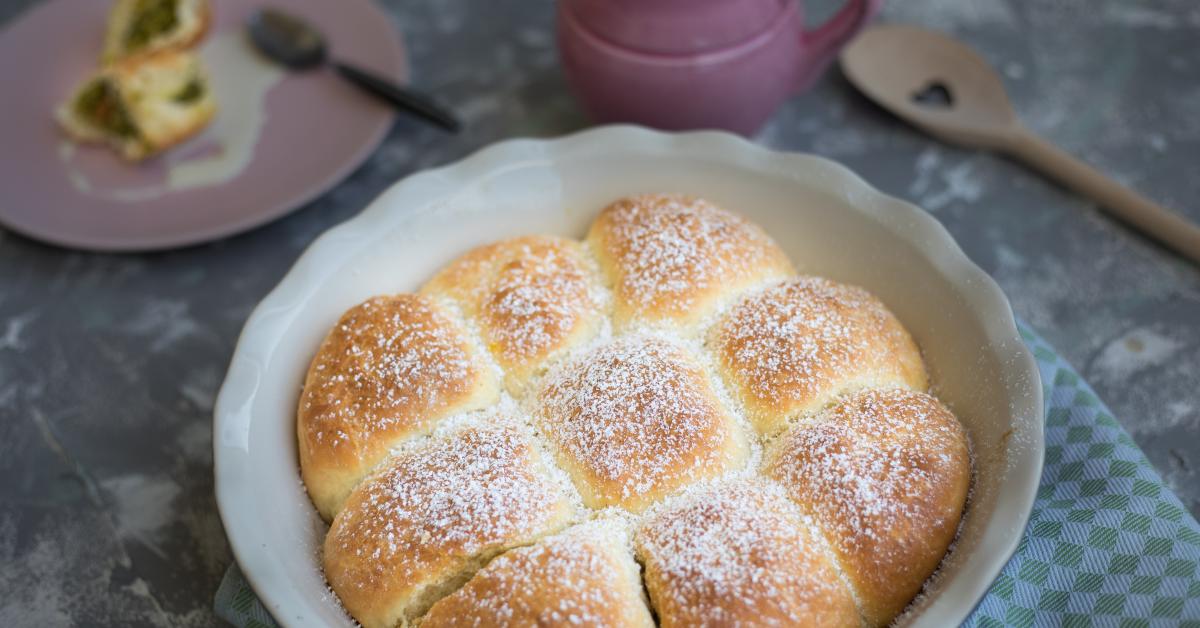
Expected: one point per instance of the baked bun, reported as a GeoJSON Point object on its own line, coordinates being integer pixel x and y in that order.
{"type": "Point", "coordinates": [432, 516]}
{"type": "Point", "coordinates": [662, 424]}
{"type": "Point", "coordinates": [141, 107]}
{"type": "Point", "coordinates": [584, 576]}
{"type": "Point", "coordinates": [634, 420]}
{"type": "Point", "coordinates": [138, 28]}
{"type": "Point", "coordinates": [390, 369]}
{"type": "Point", "coordinates": [791, 349]}
{"type": "Point", "coordinates": [885, 475]}
{"type": "Point", "coordinates": [674, 259]}
{"type": "Point", "coordinates": [532, 299]}
{"type": "Point", "coordinates": [740, 553]}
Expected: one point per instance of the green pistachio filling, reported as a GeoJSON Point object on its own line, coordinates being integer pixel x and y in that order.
{"type": "Point", "coordinates": [151, 18]}
{"type": "Point", "coordinates": [192, 92]}
{"type": "Point", "coordinates": [100, 105]}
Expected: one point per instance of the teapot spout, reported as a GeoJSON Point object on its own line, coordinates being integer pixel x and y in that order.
{"type": "Point", "coordinates": [822, 44]}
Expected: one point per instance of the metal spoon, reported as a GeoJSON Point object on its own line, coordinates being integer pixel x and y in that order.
{"type": "Point", "coordinates": [944, 88]}
{"type": "Point", "coordinates": [296, 44]}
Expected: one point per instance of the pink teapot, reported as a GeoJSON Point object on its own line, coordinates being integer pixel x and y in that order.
{"type": "Point", "coordinates": [687, 64]}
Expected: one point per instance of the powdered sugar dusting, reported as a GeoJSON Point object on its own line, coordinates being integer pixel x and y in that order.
{"type": "Point", "coordinates": [885, 475]}
{"type": "Point", "coordinates": [536, 301]}
{"type": "Point", "coordinates": [671, 252]}
{"type": "Point", "coordinates": [431, 510]}
{"type": "Point", "coordinates": [739, 553]}
{"type": "Point", "coordinates": [642, 418]}
{"type": "Point", "coordinates": [585, 576]}
{"type": "Point", "coordinates": [390, 364]}
{"type": "Point", "coordinates": [794, 346]}
{"type": "Point", "coordinates": [634, 417]}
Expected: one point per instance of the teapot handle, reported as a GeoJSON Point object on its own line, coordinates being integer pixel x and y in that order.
{"type": "Point", "coordinates": [824, 42]}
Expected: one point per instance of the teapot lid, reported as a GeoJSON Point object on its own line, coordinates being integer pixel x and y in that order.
{"type": "Point", "coordinates": [671, 27]}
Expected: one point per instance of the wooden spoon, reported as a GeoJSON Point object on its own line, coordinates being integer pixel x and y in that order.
{"type": "Point", "coordinates": [943, 87]}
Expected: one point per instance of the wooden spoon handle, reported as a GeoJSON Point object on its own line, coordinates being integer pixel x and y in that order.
{"type": "Point", "coordinates": [1164, 225]}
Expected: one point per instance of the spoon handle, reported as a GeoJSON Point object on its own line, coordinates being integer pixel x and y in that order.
{"type": "Point", "coordinates": [400, 97]}
{"type": "Point", "coordinates": [1168, 227]}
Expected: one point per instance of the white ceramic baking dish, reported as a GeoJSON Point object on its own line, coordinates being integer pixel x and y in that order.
{"type": "Point", "coordinates": [828, 220]}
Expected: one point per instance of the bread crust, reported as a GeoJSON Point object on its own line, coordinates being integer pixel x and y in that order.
{"type": "Point", "coordinates": [793, 348]}
{"type": "Point", "coordinates": [674, 260]}
{"type": "Point", "coordinates": [739, 553]}
{"type": "Point", "coordinates": [635, 420]}
{"type": "Point", "coordinates": [763, 437]}
{"type": "Point", "coordinates": [430, 517]}
{"type": "Point", "coordinates": [533, 298]}
{"type": "Point", "coordinates": [885, 475]}
{"type": "Point", "coordinates": [584, 576]}
{"type": "Point", "coordinates": [363, 396]}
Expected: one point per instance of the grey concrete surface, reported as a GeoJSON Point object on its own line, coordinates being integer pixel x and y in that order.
{"type": "Point", "coordinates": [109, 364]}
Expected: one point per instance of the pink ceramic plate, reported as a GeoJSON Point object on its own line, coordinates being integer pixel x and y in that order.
{"type": "Point", "coordinates": [278, 140]}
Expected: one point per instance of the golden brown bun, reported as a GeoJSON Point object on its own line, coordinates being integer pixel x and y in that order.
{"type": "Point", "coordinates": [740, 554]}
{"type": "Point", "coordinates": [147, 90]}
{"type": "Point", "coordinates": [585, 576]}
{"type": "Point", "coordinates": [676, 259]}
{"type": "Point", "coordinates": [791, 349]}
{"type": "Point", "coordinates": [434, 515]}
{"type": "Point", "coordinates": [885, 476]}
{"type": "Point", "coordinates": [191, 22]}
{"type": "Point", "coordinates": [388, 370]}
{"type": "Point", "coordinates": [532, 298]}
{"type": "Point", "coordinates": [829, 503]}
{"type": "Point", "coordinates": [634, 420]}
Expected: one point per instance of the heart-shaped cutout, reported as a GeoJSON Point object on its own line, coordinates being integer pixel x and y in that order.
{"type": "Point", "coordinates": [935, 94]}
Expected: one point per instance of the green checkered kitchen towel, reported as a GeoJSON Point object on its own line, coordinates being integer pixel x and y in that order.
{"type": "Point", "coordinates": [1107, 544]}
